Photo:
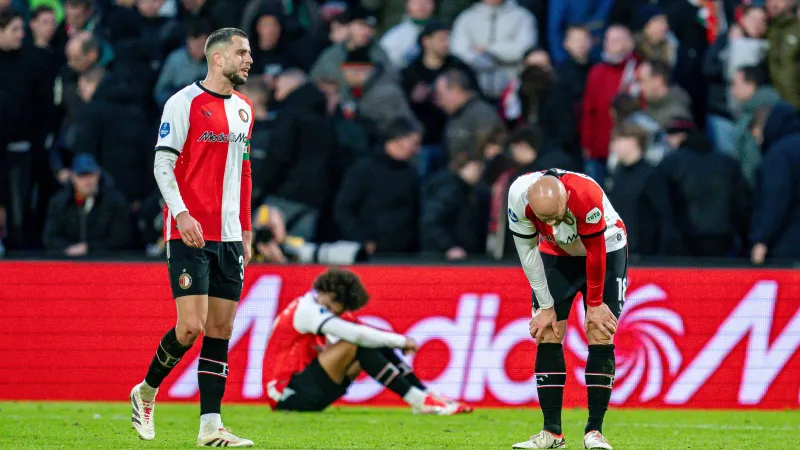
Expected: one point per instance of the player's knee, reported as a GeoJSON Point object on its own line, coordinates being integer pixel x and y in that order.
{"type": "Point", "coordinates": [224, 331]}
{"type": "Point", "coordinates": [549, 337]}
{"type": "Point", "coordinates": [595, 337]}
{"type": "Point", "coordinates": [188, 330]}
{"type": "Point", "coordinates": [354, 370]}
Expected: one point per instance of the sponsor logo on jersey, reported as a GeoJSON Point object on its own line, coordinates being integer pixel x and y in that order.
{"type": "Point", "coordinates": [164, 130]}
{"type": "Point", "coordinates": [594, 215]}
{"type": "Point", "coordinates": [512, 216]}
{"type": "Point", "coordinates": [185, 281]}
{"type": "Point", "coordinates": [210, 136]}
{"type": "Point", "coordinates": [244, 116]}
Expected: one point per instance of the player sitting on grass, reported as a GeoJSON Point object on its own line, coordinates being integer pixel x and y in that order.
{"type": "Point", "coordinates": [317, 348]}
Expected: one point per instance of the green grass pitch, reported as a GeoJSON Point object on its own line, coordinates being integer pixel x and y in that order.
{"type": "Point", "coordinates": [38, 425]}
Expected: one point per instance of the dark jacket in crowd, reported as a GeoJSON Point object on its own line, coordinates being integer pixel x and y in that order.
{"type": "Point", "coordinates": [776, 220]}
{"type": "Point", "coordinates": [640, 196]}
{"type": "Point", "coordinates": [24, 96]}
{"type": "Point", "coordinates": [711, 200]}
{"type": "Point", "coordinates": [113, 128]}
{"type": "Point", "coordinates": [298, 157]}
{"type": "Point", "coordinates": [379, 202]}
{"type": "Point", "coordinates": [567, 95]}
{"type": "Point", "coordinates": [295, 48]}
{"type": "Point", "coordinates": [467, 125]}
{"type": "Point", "coordinates": [427, 111]}
{"type": "Point", "coordinates": [103, 223]}
{"type": "Point", "coordinates": [452, 215]}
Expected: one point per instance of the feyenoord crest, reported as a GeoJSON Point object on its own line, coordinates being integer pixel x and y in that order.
{"type": "Point", "coordinates": [185, 280]}
{"type": "Point", "coordinates": [243, 115]}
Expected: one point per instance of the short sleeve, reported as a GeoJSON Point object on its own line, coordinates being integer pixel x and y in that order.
{"type": "Point", "coordinates": [174, 124]}
{"type": "Point", "coordinates": [589, 211]}
{"type": "Point", "coordinates": [310, 316]}
{"type": "Point", "coordinates": [518, 222]}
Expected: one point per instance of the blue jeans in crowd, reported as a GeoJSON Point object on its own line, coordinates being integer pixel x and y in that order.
{"type": "Point", "coordinates": [597, 169]}
{"type": "Point", "coordinates": [430, 160]}
{"type": "Point", "coordinates": [720, 132]}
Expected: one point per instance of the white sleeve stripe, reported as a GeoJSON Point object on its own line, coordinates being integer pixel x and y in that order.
{"type": "Point", "coordinates": [164, 148]}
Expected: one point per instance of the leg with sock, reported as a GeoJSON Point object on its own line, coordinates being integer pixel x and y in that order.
{"type": "Point", "coordinates": [600, 368]}
{"type": "Point", "coordinates": [551, 374]}
{"type": "Point", "coordinates": [212, 375]}
{"type": "Point", "coordinates": [168, 354]}
{"type": "Point", "coordinates": [405, 370]}
{"type": "Point", "coordinates": [374, 362]}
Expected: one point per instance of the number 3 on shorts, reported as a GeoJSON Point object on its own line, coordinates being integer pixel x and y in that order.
{"type": "Point", "coordinates": [241, 266]}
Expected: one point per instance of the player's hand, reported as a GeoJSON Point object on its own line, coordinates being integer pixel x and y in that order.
{"type": "Point", "coordinates": [759, 254]}
{"type": "Point", "coordinates": [410, 346]}
{"type": "Point", "coordinates": [247, 244]}
{"type": "Point", "coordinates": [191, 231]}
{"type": "Point", "coordinates": [542, 320]}
{"type": "Point", "coordinates": [602, 317]}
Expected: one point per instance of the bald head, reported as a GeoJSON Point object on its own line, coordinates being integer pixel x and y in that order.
{"type": "Point", "coordinates": [548, 199]}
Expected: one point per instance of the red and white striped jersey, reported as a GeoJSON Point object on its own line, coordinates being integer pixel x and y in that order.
{"type": "Point", "coordinates": [210, 133]}
{"type": "Point", "coordinates": [589, 213]}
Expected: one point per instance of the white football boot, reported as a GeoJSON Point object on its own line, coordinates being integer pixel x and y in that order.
{"type": "Point", "coordinates": [142, 417]}
{"type": "Point", "coordinates": [222, 438]}
{"type": "Point", "coordinates": [544, 439]}
{"type": "Point", "coordinates": [594, 439]}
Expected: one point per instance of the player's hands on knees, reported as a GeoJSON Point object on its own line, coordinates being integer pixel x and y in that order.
{"type": "Point", "coordinates": [542, 320]}
{"type": "Point", "coordinates": [410, 346]}
{"type": "Point", "coordinates": [602, 317]}
{"type": "Point", "coordinates": [191, 231]}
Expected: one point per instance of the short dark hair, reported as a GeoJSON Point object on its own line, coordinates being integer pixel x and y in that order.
{"type": "Point", "coordinates": [198, 27]}
{"type": "Point", "coordinates": [660, 69]}
{"type": "Point", "coordinates": [457, 78]}
{"type": "Point", "coordinates": [753, 75]}
{"type": "Point", "coordinates": [6, 17]}
{"type": "Point", "coordinates": [41, 10]}
{"type": "Point", "coordinates": [624, 105]}
{"type": "Point", "coordinates": [629, 129]}
{"type": "Point", "coordinates": [223, 35]}
{"type": "Point", "coordinates": [400, 128]}
{"type": "Point", "coordinates": [84, 3]}
{"type": "Point", "coordinates": [527, 134]}
{"type": "Point", "coordinates": [92, 44]}
{"type": "Point", "coordinates": [345, 286]}
{"type": "Point", "coordinates": [747, 8]}
{"type": "Point", "coordinates": [576, 27]}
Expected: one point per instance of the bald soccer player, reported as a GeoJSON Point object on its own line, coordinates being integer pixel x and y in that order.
{"type": "Point", "coordinates": [570, 240]}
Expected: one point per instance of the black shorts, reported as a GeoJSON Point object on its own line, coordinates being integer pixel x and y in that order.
{"type": "Point", "coordinates": [216, 270]}
{"type": "Point", "coordinates": [312, 390]}
{"type": "Point", "coordinates": [566, 276]}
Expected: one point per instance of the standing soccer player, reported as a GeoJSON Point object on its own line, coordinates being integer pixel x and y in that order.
{"type": "Point", "coordinates": [581, 247]}
{"type": "Point", "coordinates": [203, 171]}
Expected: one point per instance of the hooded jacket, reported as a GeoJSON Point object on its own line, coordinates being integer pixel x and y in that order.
{"type": "Point", "coordinates": [745, 148]}
{"type": "Point", "coordinates": [776, 221]}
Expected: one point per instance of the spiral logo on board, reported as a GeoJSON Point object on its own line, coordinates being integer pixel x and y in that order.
{"type": "Point", "coordinates": [645, 344]}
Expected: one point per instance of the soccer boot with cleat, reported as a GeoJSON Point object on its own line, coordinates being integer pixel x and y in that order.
{"type": "Point", "coordinates": [460, 407]}
{"type": "Point", "coordinates": [544, 439]}
{"type": "Point", "coordinates": [435, 405]}
{"type": "Point", "coordinates": [222, 438]}
{"type": "Point", "coordinates": [142, 417]}
{"type": "Point", "coordinates": [594, 439]}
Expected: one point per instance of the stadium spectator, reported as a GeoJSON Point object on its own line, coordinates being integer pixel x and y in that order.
{"type": "Point", "coordinates": [392, 12]}
{"type": "Point", "coordinates": [221, 13]}
{"type": "Point", "coordinates": [625, 109]}
{"type": "Point", "coordinates": [568, 90]}
{"type": "Point", "coordinates": [263, 126]}
{"type": "Point", "coordinates": [185, 65]}
{"type": "Point", "coordinates": [383, 102]}
{"type": "Point", "coordinates": [712, 207]}
{"type": "Point", "coordinates": [43, 28]}
{"type": "Point", "coordinates": [401, 41]}
{"type": "Point", "coordinates": [294, 176]}
{"type": "Point", "coordinates": [279, 43]}
{"type": "Point", "coordinates": [783, 53]}
{"type": "Point", "coordinates": [750, 92]}
{"type": "Point", "coordinates": [744, 45]}
{"type": "Point", "coordinates": [378, 202]}
{"type": "Point", "coordinates": [25, 99]}
{"type": "Point", "coordinates": [655, 41]}
{"type": "Point", "coordinates": [527, 100]}
{"type": "Point", "coordinates": [664, 100]}
{"type": "Point", "coordinates": [614, 75]}
{"type": "Point", "coordinates": [775, 225]}
{"type": "Point", "coordinates": [469, 115]}
{"type": "Point", "coordinates": [113, 129]}
{"type": "Point", "coordinates": [79, 15]}
{"type": "Point", "coordinates": [453, 220]}
{"type": "Point", "coordinates": [492, 37]}
{"type": "Point", "coordinates": [89, 216]}
{"type": "Point", "coordinates": [418, 82]}
{"type": "Point", "coordinates": [530, 154]}
{"type": "Point", "coordinates": [640, 195]}
{"type": "Point", "coordinates": [566, 15]}
{"type": "Point", "coordinates": [351, 64]}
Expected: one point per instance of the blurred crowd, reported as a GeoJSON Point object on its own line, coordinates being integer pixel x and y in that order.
{"type": "Point", "coordinates": [396, 126]}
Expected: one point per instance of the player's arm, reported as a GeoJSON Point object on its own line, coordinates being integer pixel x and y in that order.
{"type": "Point", "coordinates": [591, 225]}
{"type": "Point", "coordinates": [246, 194]}
{"type": "Point", "coordinates": [313, 318]}
{"type": "Point", "coordinates": [526, 242]}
